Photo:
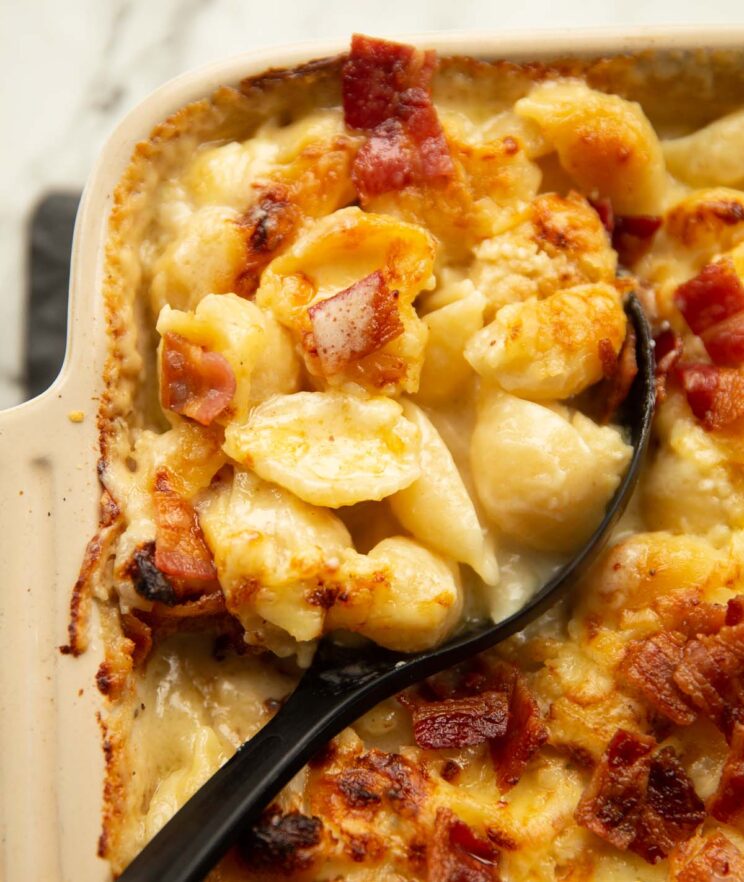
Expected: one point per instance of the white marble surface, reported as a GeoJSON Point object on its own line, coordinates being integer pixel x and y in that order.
{"type": "Point", "coordinates": [70, 70]}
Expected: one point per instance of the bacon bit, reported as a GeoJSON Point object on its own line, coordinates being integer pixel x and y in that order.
{"type": "Point", "coordinates": [672, 810]}
{"type": "Point", "coordinates": [457, 854]}
{"type": "Point", "coordinates": [267, 226]}
{"type": "Point", "coordinates": [180, 550]}
{"type": "Point", "coordinates": [620, 371]}
{"type": "Point", "coordinates": [354, 323]}
{"type": "Point", "coordinates": [376, 74]}
{"type": "Point", "coordinates": [668, 349]}
{"type": "Point", "coordinates": [632, 235]}
{"type": "Point", "coordinates": [727, 804]}
{"type": "Point", "coordinates": [611, 804]}
{"type": "Point", "coordinates": [712, 296]}
{"type": "Point", "coordinates": [460, 722]}
{"type": "Point", "coordinates": [713, 306]}
{"type": "Point", "coordinates": [603, 206]}
{"type": "Point", "coordinates": [711, 859]}
{"type": "Point", "coordinates": [195, 383]}
{"type": "Point", "coordinates": [140, 634]}
{"type": "Point", "coordinates": [715, 394]}
{"type": "Point", "coordinates": [525, 734]}
{"type": "Point", "coordinates": [724, 342]}
{"type": "Point", "coordinates": [711, 675]}
{"type": "Point", "coordinates": [149, 581]}
{"type": "Point", "coordinates": [387, 92]}
{"type": "Point", "coordinates": [735, 611]}
{"type": "Point", "coordinates": [649, 666]}
{"type": "Point", "coordinates": [638, 801]}
{"type": "Point", "coordinates": [282, 843]}
{"type": "Point", "coordinates": [386, 161]}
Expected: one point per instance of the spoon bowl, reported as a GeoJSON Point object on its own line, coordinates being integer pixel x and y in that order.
{"type": "Point", "coordinates": [344, 683]}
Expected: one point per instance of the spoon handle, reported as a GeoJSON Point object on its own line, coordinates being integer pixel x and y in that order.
{"type": "Point", "coordinates": [192, 842]}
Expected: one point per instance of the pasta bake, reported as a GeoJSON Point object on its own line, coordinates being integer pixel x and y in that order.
{"type": "Point", "coordinates": [367, 351]}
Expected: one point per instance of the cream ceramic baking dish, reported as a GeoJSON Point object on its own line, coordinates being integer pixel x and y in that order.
{"type": "Point", "coordinates": [51, 762]}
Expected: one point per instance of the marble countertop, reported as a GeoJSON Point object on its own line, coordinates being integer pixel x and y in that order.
{"type": "Point", "coordinates": [69, 71]}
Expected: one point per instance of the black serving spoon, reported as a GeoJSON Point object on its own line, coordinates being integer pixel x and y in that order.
{"type": "Point", "coordinates": [344, 683]}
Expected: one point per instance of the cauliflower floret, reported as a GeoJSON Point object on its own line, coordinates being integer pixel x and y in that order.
{"type": "Point", "coordinates": [603, 141]}
{"type": "Point", "coordinates": [544, 476]}
{"type": "Point", "coordinates": [257, 348]}
{"type": "Point", "coordinates": [204, 257]}
{"type": "Point", "coordinates": [550, 349]}
{"type": "Point", "coordinates": [272, 551]}
{"type": "Point", "coordinates": [330, 448]}
{"type": "Point", "coordinates": [437, 509]}
{"type": "Point", "coordinates": [556, 242]}
{"type": "Point", "coordinates": [401, 595]}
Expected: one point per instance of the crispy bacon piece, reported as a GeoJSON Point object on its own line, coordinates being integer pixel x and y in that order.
{"type": "Point", "coordinates": [386, 91]}
{"type": "Point", "coordinates": [456, 854]}
{"type": "Point", "coordinates": [619, 371]}
{"type": "Point", "coordinates": [715, 394]}
{"type": "Point", "coordinates": [525, 734]}
{"type": "Point", "coordinates": [711, 859]}
{"type": "Point", "coordinates": [180, 550]}
{"type": "Point", "coordinates": [649, 666]}
{"type": "Point", "coordinates": [632, 235]}
{"type": "Point", "coordinates": [612, 802]}
{"type": "Point", "coordinates": [711, 675]}
{"type": "Point", "coordinates": [639, 801]}
{"type": "Point", "coordinates": [194, 382]}
{"type": "Point", "coordinates": [459, 722]}
{"type": "Point", "coordinates": [386, 161]}
{"type": "Point", "coordinates": [727, 803]}
{"type": "Point", "coordinates": [376, 75]}
{"type": "Point", "coordinates": [283, 843]}
{"type": "Point", "coordinates": [668, 350]}
{"type": "Point", "coordinates": [521, 735]}
{"type": "Point", "coordinates": [735, 611]}
{"type": "Point", "coordinates": [354, 323]}
{"type": "Point", "coordinates": [603, 206]}
{"type": "Point", "coordinates": [712, 296]}
{"type": "Point", "coordinates": [713, 306]}
{"type": "Point", "coordinates": [672, 810]}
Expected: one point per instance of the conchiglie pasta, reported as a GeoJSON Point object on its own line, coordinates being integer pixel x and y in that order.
{"type": "Point", "coordinates": [339, 250]}
{"type": "Point", "coordinates": [603, 141]}
{"type": "Point", "coordinates": [445, 369]}
{"type": "Point", "coordinates": [203, 258]}
{"type": "Point", "coordinates": [329, 448]}
{"type": "Point", "coordinates": [710, 157]}
{"type": "Point", "coordinates": [402, 596]}
{"type": "Point", "coordinates": [271, 551]}
{"type": "Point", "coordinates": [550, 349]}
{"type": "Point", "coordinates": [544, 476]}
{"type": "Point", "coordinates": [343, 250]}
{"type": "Point", "coordinates": [250, 339]}
{"type": "Point", "coordinates": [437, 509]}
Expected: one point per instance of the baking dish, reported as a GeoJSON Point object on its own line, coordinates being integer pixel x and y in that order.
{"type": "Point", "coordinates": [51, 764]}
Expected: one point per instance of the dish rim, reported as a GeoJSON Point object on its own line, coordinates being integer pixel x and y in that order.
{"type": "Point", "coordinates": [54, 471]}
